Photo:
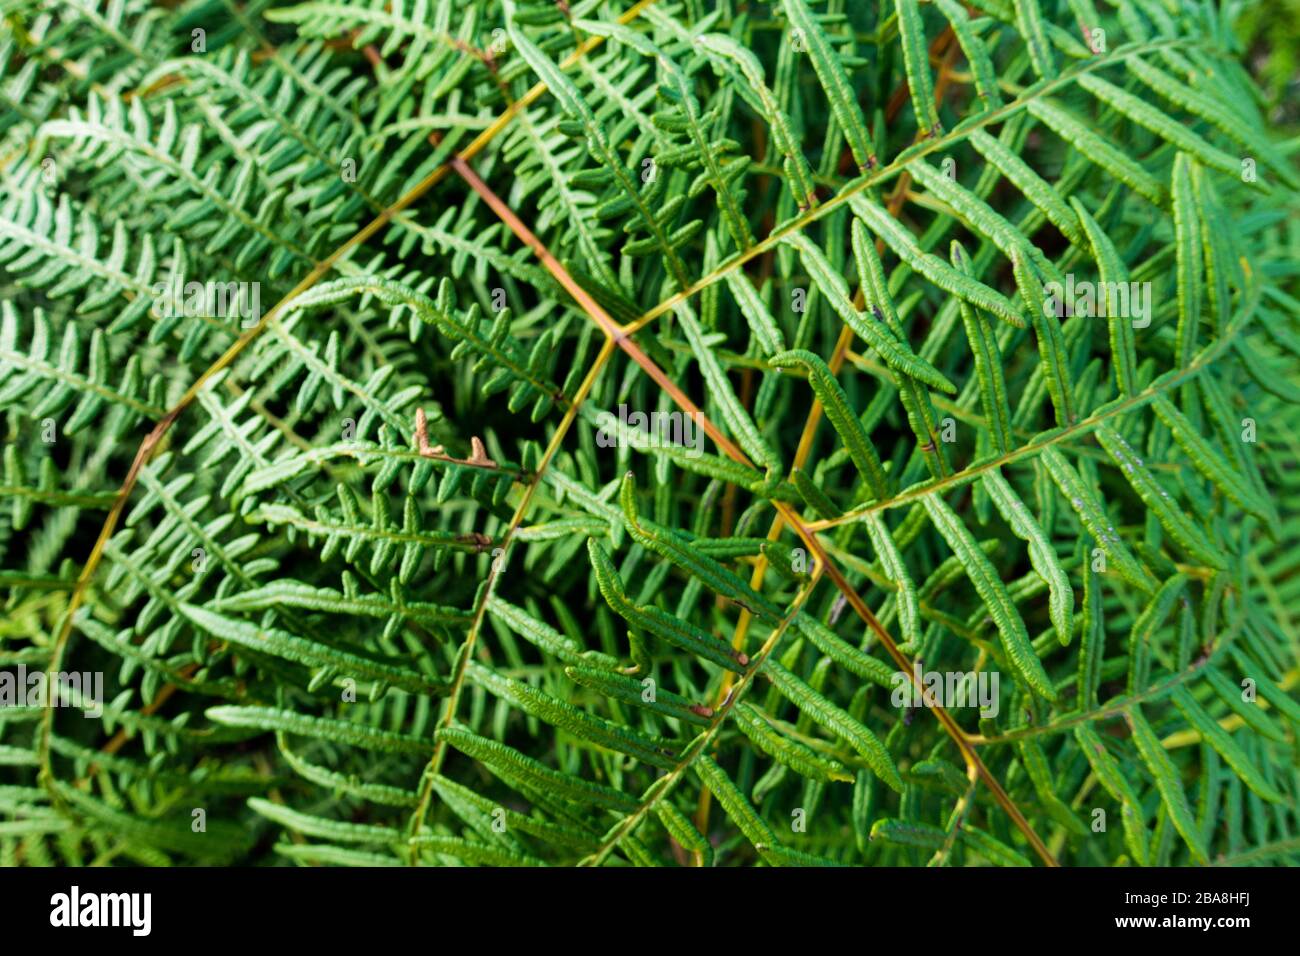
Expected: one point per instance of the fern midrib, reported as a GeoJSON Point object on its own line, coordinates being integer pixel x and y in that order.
{"type": "Point", "coordinates": [1114, 408]}
{"type": "Point", "coordinates": [601, 319]}
{"type": "Point", "coordinates": [884, 173]}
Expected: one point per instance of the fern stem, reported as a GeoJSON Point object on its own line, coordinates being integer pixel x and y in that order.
{"type": "Point", "coordinates": [888, 171]}
{"type": "Point", "coordinates": [1048, 439]}
{"type": "Point", "coordinates": [616, 335]}
{"type": "Point", "coordinates": [466, 652]}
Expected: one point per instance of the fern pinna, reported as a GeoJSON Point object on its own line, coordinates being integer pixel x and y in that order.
{"type": "Point", "coordinates": [413, 418]}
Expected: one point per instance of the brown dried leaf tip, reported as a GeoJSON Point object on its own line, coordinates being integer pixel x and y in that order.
{"type": "Point", "coordinates": [478, 456]}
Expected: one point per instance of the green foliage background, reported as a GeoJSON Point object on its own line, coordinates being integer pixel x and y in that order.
{"type": "Point", "coordinates": [830, 226]}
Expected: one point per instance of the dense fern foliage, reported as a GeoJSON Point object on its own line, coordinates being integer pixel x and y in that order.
{"type": "Point", "coordinates": [332, 339]}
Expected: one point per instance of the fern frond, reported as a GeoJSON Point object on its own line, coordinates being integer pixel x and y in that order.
{"type": "Point", "coordinates": [875, 420]}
